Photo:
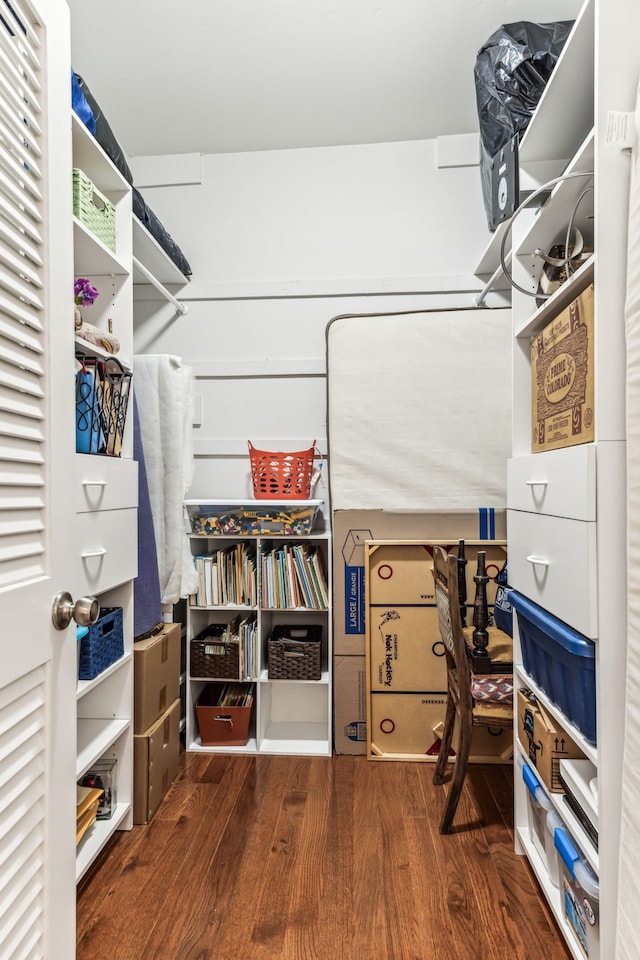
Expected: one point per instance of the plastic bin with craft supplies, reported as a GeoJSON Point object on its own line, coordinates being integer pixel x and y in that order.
{"type": "Point", "coordinates": [251, 517]}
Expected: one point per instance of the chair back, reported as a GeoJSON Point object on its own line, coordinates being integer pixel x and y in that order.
{"type": "Point", "coordinates": [445, 575]}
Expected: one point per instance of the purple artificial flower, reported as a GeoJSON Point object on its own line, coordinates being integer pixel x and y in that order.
{"type": "Point", "coordinates": [83, 293]}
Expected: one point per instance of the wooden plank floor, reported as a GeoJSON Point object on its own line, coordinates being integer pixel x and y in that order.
{"type": "Point", "coordinates": [250, 858]}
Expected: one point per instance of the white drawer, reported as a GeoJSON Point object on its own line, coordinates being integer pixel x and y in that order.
{"type": "Point", "coordinates": [560, 483]}
{"type": "Point", "coordinates": [107, 549]}
{"type": "Point", "coordinates": [105, 483]}
{"type": "Point", "coordinates": [552, 561]}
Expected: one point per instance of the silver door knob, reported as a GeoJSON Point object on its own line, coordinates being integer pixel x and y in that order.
{"type": "Point", "coordinates": [84, 611]}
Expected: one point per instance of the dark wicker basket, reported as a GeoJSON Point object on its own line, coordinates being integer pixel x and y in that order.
{"type": "Point", "coordinates": [215, 656]}
{"type": "Point", "coordinates": [295, 653]}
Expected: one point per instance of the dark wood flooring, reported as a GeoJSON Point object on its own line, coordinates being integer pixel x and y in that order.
{"type": "Point", "coordinates": [250, 858]}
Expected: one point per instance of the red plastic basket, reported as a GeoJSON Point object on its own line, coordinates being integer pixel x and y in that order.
{"type": "Point", "coordinates": [281, 476]}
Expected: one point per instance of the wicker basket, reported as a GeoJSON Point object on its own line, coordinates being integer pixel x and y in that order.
{"type": "Point", "coordinates": [93, 209]}
{"type": "Point", "coordinates": [294, 653]}
{"type": "Point", "coordinates": [102, 645]}
{"type": "Point", "coordinates": [214, 655]}
{"type": "Point", "coordinates": [281, 476]}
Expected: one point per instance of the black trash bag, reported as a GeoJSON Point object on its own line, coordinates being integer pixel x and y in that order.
{"type": "Point", "coordinates": [104, 134]}
{"type": "Point", "coordinates": [147, 217]}
{"type": "Point", "coordinates": [511, 71]}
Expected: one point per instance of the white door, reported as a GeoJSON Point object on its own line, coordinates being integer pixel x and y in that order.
{"type": "Point", "coordinates": [37, 663]}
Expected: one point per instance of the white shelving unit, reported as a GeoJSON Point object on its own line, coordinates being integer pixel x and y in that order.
{"type": "Point", "coordinates": [577, 495]}
{"type": "Point", "coordinates": [106, 500]}
{"type": "Point", "coordinates": [289, 716]}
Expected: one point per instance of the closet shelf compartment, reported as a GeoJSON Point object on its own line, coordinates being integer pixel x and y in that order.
{"type": "Point", "coordinates": [590, 751]}
{"type": "Point", "coordinates": [150, 254]}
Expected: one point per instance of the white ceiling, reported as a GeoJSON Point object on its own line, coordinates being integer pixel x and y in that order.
{"type": "Point", "coordinates": [217, 76]}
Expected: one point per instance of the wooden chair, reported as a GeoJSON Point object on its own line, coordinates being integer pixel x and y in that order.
{"type": "Point", "coordinates": [473, 698]}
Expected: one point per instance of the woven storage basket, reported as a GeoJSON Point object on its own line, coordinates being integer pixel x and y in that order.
{"type": "Point", "coordinates": [93, 209]}
{"type": "Point", "coordinates": [281, 476]}
{"type": "Point", "coordinates": [215, 656]}
{"type": "Point", "coordinates": [294, 653]}
{"type": "Point", "coordinates": [102, 645]}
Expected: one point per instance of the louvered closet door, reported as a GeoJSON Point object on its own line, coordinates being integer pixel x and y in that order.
{"type": "Point", "coordinates": [37, 663]}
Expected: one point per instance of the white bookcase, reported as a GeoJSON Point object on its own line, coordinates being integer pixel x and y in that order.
{"type": "Point", "coordinates": [106, 502]}
{"type": "Point", "coordinates": [566, 507]}
{"type": "Point", "coordinates": [290, 716]}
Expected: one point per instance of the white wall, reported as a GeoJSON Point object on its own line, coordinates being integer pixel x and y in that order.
{"type": "Point", "coordinates": [279, 243]}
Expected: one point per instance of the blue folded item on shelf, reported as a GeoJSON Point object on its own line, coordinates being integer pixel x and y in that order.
{"type": "Point", "coordinates": [560, 660]}
{"type": "Point", "coordinates": [80, 105]}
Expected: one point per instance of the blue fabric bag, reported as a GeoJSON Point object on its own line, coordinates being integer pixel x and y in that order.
{"type": "Point", "coordinates": [81, 106]}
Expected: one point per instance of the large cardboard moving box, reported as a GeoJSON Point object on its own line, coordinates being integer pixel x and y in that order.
{"type": "Point", "coordinates": [351, 530]}
{"type": "Point", "coordinates": [156, 755]}
{"type": "Point", "coordinates": [156, 670]}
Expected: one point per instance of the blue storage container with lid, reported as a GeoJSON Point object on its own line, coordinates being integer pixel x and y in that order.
{"type": "Point", "coordinates": [580, 894]}
{"type": "Point", "coordinates": [561, 661]}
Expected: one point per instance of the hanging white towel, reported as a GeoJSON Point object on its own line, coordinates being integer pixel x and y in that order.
{"type": "Point", "coordinates": [164, 394]}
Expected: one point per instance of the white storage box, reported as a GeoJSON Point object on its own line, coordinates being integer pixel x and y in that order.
{"type": "Point", "coordinates": [538, 807]}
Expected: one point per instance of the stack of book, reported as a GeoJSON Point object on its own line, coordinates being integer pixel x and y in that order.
{"type": "Point", "coordinates": [293, 576]}
{"type": "Point", "coordinates": [87, 803]}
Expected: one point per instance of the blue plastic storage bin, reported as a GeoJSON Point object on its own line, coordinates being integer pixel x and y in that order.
{"type": "Point", "coordinates": [561, 661]}
{"type": "Point", "coordinates": [581, 895]}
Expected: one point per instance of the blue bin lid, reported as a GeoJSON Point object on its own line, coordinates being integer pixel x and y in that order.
{"type": "Point", "coordinates": [573, 641]}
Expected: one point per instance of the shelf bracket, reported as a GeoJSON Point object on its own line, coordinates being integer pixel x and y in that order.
{"type": "Point", "coordinates": [181, 308]}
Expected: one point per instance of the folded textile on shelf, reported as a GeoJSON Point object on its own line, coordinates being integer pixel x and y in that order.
{"type": "Point", "coordinates": [99, 338]}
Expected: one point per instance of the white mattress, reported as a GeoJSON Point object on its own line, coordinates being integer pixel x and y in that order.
{"type": "Point", "coordinates": [629, 875]}
{"type": "Point", "coordinates": [419, 410]}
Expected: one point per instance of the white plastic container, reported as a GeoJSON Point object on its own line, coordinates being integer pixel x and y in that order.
{"type": "Point", "coordinates": [554, 821]}
{"type": "Point", "coordinates": [580, 895]}
{"type": "Point", "coordinates": [538, 807]}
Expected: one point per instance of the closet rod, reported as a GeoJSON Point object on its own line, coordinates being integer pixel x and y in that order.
{"type": "Point", "coordinates": [482, 296]}
{"type": "Point", "coordinates": [181, 308]}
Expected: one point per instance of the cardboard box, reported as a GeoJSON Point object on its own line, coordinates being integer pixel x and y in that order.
{"type": "Point", "coordinates": [414, 721]}
{"type": "Point", "coordinates": [156, 670]}
{"type": "Point", "coordinates": [406, 652]}
{"type": "Point", "coordinates": [543, 740]}
{"type": "Point", "coordinates": [155, 763]}
{"type": "Point", "coordinates": [352, 528]}
{"type": "Point", "coordinates": [349, 705]}
{"type": "Point", "coordinates": [562, 381]}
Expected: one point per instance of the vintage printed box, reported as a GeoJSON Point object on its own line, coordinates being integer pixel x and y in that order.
{"type": "Point", "coordinates": [562, 408]}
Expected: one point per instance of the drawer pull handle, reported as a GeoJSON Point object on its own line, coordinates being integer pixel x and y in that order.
{"type": "Point", "coordinates": [538, 561]}
{"type": "Point", "coordinates": [537, 483]}
{"type": "Point", "coordinates": [93, 553]}
{"type": "Point", "coordinates": [94, 483]}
